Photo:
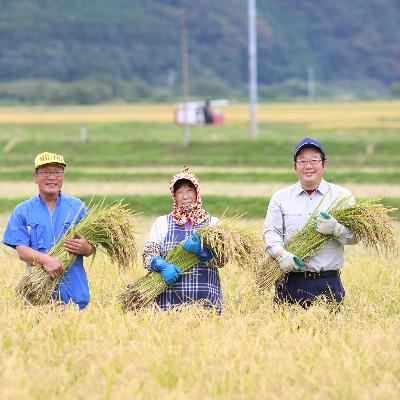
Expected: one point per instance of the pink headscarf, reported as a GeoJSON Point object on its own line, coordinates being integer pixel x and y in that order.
{"type": "Point", "coordinates": [193, 212]}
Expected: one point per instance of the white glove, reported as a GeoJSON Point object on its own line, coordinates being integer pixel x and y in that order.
{"type": "Point", "coordinates": [288, 262]}
{"type": "Point", "coordinates": [328, 225]}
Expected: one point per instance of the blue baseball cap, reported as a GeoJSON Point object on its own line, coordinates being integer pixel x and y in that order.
{"type": "Point", "coordinates": [309, 142]}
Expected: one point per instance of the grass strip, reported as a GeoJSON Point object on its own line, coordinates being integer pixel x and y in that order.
{"type": "Point", "coordinates": [245, 177]}
{"type": "Point", "coordinates": [378, 149]}
{"type": "Point", "coordinates": [152, 205]}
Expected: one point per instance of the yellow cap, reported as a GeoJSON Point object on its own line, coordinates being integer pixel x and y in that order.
{"type": "Point", "coordinates": [48, 158]}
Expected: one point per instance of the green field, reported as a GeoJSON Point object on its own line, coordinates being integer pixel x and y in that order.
{"type": "Point", "coordinates": [252, 351]}
{"type": "Point", "coordinates": [252, 207]}
{"type": "Point", "coordinates": [380, 176]}
{"type": "Point", "coordinates": [136, 144]}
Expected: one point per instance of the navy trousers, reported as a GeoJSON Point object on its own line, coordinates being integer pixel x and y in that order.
{"type": "Point", "coordinates": [296, 288]}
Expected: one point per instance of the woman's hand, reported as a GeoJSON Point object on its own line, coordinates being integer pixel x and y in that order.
{"type": "Point", "coordinates": [170, 272]}
{"type": "Point", "coordinates": [193, 245]}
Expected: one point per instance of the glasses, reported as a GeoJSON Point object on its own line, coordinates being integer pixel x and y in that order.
{"type": "Point", "coordinates": [314, 162]}
{"type": "Point", "coordinates": [47, 174]}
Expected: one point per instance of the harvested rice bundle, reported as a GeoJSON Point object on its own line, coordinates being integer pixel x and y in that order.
{"type": "Point", "coordinates": [228, 240]}
{"type": "Point", "coordinates": [107, 228]}
{"type": "Point", "coordinates": [370, 220]}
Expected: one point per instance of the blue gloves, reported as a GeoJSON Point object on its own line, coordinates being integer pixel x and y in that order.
{"type": "Point", "coordinates": [327, 225]}
{"type": "Point", "coordinates": [193, 245]}
{"type": "Point", "coordinates": [169, 272]}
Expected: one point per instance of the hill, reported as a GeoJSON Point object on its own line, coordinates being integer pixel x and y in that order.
{"type": "Point", "coordinates": [131, 49]}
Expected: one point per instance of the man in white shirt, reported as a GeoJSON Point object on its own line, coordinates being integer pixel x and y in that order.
{"type": "Point", "coordinates": [288, 211]}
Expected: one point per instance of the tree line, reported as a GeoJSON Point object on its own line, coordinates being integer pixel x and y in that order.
{"type": "Point", "coordinates": [76, 51]}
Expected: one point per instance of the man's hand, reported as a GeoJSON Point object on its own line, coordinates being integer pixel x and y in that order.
{"type": "Point", "coordinates": [327, 225]}
{"type": "Point", "coordinates": [288, 262]}
{"type": "Point", "coordinates": [53, 266]}
{"type": "Point", "coordinates": [79, 245]}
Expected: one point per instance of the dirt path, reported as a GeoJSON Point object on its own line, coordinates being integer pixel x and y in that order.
{"type": "Point", "coordinates": [27, 189]}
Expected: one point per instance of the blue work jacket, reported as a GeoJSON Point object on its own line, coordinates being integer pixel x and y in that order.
{"type": "Point", "coordinates": [32, 224]}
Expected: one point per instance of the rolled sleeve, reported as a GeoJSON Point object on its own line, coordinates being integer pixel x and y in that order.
{"type": "Point", "coordinates": [150, 250]}
{"type": "Point", "coordinates": [16, 233]}
{"type": "Point", "coordinates": [156, 237]}
{"type": "Point", "coordinates": [347, 237]}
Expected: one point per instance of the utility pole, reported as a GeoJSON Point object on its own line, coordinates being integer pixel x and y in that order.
{"type": "Point", "coordinates": [311, 83]}
{"type": "Point", "coordinates": [84, 134]}
{"type": "Point", "coordinates": [185, 79]}
{"type": "Point", "coordinates": [251, 5]}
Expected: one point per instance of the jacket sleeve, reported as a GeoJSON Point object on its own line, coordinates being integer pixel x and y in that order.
{"type": "Point", "coordinates": [17, 232]}
{"type": "Point", "coordinates": [348, 236]}
{"type": "Point", "coordinates": [273, 227]}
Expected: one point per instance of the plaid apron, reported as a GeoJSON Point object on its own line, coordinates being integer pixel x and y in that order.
{"type": "Point", "coordinates": [201, 283]}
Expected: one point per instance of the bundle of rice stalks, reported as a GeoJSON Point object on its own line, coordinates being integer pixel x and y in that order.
{"type": "Point", "coordinates": [228, 240]}
{"type": "Point", "coordinates": [231, 242]}
{"type": "Point", "coordinates": [369, 220]}
{"type": "Point", "coordinates": [107, 228]}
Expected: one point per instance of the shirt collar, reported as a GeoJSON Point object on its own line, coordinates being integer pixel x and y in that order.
{"type": "Point", "coordinates": [298, 189]}
{"type": "Point", "coordinates": [60, 196]}
{"type": "Point", "coordinates": [322, 188]}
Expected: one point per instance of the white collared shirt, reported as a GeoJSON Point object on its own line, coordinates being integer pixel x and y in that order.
{"type": "Point", "coordinates": [290, 209]}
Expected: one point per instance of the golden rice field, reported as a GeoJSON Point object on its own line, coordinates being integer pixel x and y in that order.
{"type": "Point", "coordinates": [251, 352]}
{"type": "Point", "coordinates": [385, 114]}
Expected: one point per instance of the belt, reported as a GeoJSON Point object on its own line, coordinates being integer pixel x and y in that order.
{"type": "Point", "coordinates": [317, 275]}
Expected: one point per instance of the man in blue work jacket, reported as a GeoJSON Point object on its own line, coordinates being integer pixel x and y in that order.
{"type": "Point", "coordinates": [37, 224]}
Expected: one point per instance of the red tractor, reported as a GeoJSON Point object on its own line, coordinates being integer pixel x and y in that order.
{"type": "Point", "coordinates": [200, 113]}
